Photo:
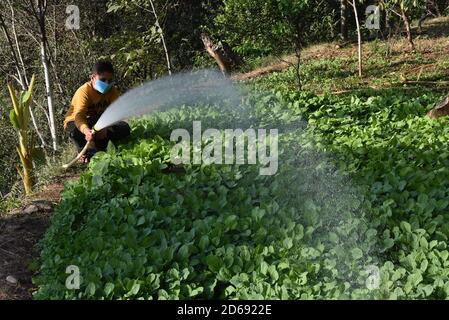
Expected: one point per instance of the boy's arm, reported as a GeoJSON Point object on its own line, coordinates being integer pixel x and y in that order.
{"type": "Point", "coordinates": [80, 104]}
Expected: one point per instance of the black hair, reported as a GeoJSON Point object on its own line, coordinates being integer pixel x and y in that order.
{"type": "Point", "coordinates": [102, 66]}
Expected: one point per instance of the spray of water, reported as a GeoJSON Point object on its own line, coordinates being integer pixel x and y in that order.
{"type": "Point", "coordinates": [194, 87]}
{"type": "Point", "coordinates": [189, 88]}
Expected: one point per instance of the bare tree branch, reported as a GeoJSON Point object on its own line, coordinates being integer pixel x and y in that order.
{"type": "Point", "coordinates": [160, 31]}
{"type": "Point", "coordinates": [12, 50]}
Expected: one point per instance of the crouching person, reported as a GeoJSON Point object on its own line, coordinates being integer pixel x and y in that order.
{"type": "Point", "coordinates": [88, 104]}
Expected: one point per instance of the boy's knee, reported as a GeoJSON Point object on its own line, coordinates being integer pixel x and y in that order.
{"type": "Point", "coordinates": [120, 131]}
{"type": "Point", "coordinates": [123, 129]}
{"type": "Point", "coordinates": [126, 129]}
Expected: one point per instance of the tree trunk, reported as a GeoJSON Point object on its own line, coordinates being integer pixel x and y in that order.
{"type": "Point", "coordinates": [161, 34]}
{"type": "Point", "coordinates": [298, 49]}
{"type": "Point", "coordinates": [298, 70]}
{"type": "Point", "coordinates": [49, 94]}
{"type": "Point", "coordinates": [38, 10]}
{"type": "Point", "coordinates": [343, 20]}
{"type": "Point", "coordinates": [216, 54]}
{"type": "Point", "coordinates": [359, 36]}
{"type": "Point", "coordinates": [40, 16]}
{"type": "Point", "coordinates": [407, 29]}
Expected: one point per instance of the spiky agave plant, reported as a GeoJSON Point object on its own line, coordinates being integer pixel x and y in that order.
{"type": "Point", "coordinates": [20, 119]}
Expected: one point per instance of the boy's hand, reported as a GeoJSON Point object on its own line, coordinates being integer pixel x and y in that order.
{"type": "Point", "coordinates": [89, 134]}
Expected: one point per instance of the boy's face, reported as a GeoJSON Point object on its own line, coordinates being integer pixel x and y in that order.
{"type": "Point", "coordinates": [105, 77]}
{"type": "Point", "coordinates": [102, 82]}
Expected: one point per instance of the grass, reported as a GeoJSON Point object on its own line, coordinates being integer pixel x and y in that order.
{"type": "Point", "coordinates": [50, 171]}
{"type": "Point", "coordinates": [327, 68]}
{"type": "Point", "coordinates": [45, 174]}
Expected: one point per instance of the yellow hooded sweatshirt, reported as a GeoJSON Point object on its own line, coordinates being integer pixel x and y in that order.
{"type": "Point", "coordinates": [88, 105]}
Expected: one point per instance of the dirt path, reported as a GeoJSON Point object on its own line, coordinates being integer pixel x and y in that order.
{"type": "Point", "coordinates": [20, 231]}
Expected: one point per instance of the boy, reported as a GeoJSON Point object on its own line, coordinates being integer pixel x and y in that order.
{"type": "Point", "coordinates": [88, 103]}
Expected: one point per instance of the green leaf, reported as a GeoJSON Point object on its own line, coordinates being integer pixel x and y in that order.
{"type": "Point", "coordinates": [371, 233]}
{"type": "Point", "coordinates": [90, 289]}
{"type": "Point", "coordinates": [141, 221]}
{"type": "Point", "coordinates": [428, 289]}
{"type": "Point", "coordinates": [213, 262]}
{"type": "Point", "coordinates": [108, 288]}
{"type": "Point", "coordinates": [114, 8]}
{"type": "Point", "coordinates": [26, 98]}
{"type": "Point", "coordinates": [168, 255]}
{"type": "Point", "coordinates": [263, 267]}
{"type": "Point", "coordinates": [415, 278]}
{"type": "Point", "coordinates": [134, 290]}
{"type": "Point", "coordinates": [204, 243]}
{"type": "Point", "coordinates": [406, 226]}
{"type": "Point", "coordinates": [388, 243]}
{"type": "Point", "coordinates": [424, 243]}
{"type": "Point", "coordinates": [13, 119]}
{"type": "Point", "coordinates": [357, 253]}
{"type": "Point", "coordinates": [333, 237]}
{"type": "Point", "coordinates": [183, 252]}
{"type": "Point", "coordinates": [111, 149]}
{"type": "Point", "coordinates": [273, 272]}
{"type": "Point", "coordinates": [444, 255]}
{"type": "Point", "coordinates": [287, 243]}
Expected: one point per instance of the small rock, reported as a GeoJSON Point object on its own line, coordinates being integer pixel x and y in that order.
{"type": "Point", "coordinates": [43, 205]}
{"type": "Point", "coordinates": [11, 280]}
{"type": "Point", "coordinates": [15, 211]}
{"type": "Point", "coordinates": [31, 209]}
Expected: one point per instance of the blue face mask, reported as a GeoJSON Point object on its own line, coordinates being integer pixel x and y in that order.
{"type": "Point", "coordinates": [102, 86]}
